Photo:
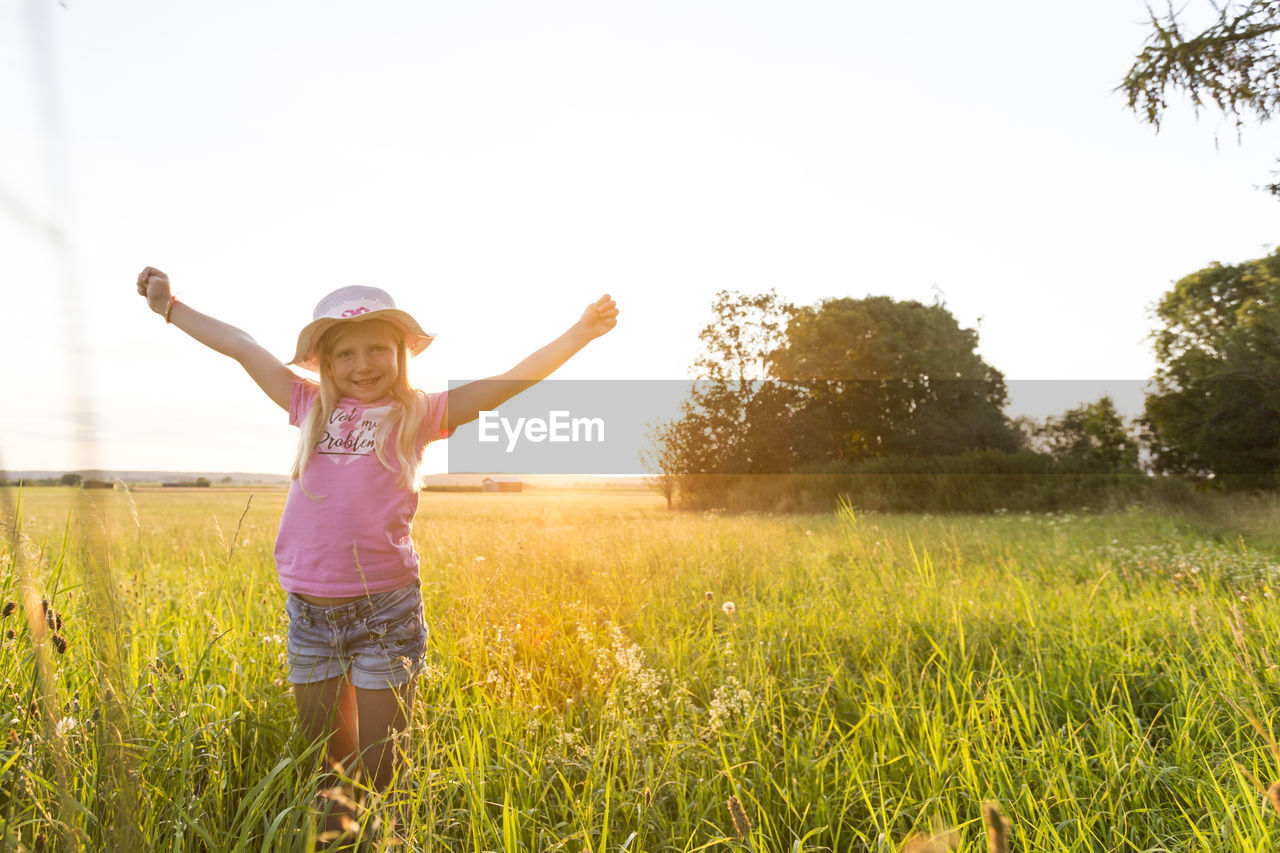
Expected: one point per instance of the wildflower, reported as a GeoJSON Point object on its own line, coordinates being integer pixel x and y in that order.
{"type": "Point", "coordinates": [9, 635]}
{"type": "Point", "coordinates": [728, 608]}
{"type": "Point", "coordinates": [729, 700]}
{"type": "Point", "coordinates": [741, 825]}
{"type": "Point", "coordinates": [59, 643]}
{"type": "Point", "coordinates": [9, 607]}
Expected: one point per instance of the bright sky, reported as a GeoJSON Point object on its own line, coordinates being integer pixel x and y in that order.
{"type": "Point", "coordinates": [496, 166]}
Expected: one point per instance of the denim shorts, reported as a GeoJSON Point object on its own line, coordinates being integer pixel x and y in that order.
{"type": "Point", "coordinates": [380, 640]}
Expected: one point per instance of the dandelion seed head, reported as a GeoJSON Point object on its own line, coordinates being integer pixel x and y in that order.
{"type": "Point", "coordinates": [729, 608]}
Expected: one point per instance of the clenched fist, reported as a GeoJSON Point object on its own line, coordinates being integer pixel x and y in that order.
{"type": "Point", "coordinates": [154, 285]}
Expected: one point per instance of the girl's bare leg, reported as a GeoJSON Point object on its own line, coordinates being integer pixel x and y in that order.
{"type": "Point", "coordinates": [328, 709]}
{"type": "Point", "coordinates": [382, 714]}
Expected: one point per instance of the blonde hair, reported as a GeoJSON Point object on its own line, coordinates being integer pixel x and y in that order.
{"type": "Point", "coordinates": [408, 408]}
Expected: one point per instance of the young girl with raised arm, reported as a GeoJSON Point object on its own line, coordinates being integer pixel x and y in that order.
{"type": "Point", "coordinates": [344, 554]}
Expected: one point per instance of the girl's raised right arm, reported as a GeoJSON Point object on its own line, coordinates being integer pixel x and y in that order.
{"type": "Point", "coordinates": [267, 370]}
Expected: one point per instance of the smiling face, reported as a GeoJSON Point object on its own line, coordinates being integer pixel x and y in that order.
{"type": "Point", "coordinates": [362, 358]}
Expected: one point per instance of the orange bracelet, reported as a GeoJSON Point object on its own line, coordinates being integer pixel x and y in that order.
{"type": "Point", "coordinates": [173, 300]}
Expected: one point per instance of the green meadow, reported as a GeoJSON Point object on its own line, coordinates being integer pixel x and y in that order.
{"type": "Point", "coordinates": [607, 675]}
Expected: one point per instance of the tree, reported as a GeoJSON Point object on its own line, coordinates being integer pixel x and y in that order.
{"type": "Point", "coordinates": [71, 480]}
{"type": "Point", "coordinates": [883, 377]}
{"type": "Point", "coordinates": [838, 382]}
{"type": "Point", "coordinates": [734, 421]}
{"type": "Point", "coordinates": [1094, 435]}
{"type": "Point", "coordinates": [1234, 64]}
{"type": "Point", "coordinates": [1215, 410]}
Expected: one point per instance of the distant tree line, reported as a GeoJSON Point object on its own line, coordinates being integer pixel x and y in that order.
{"type": "Point", "coordinates": [75, 480]}
{"type": "Point", "coordinates": [889, 401]}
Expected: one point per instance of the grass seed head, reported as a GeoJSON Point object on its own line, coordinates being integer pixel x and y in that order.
{"type": "Point", "coordinates": [9, 607]}
{"type": "Point", "coordinates": [1273, 796]}
{"type": "Point", "coordinates": [59, 643]}
{"type": "Point", "coordinates": [741, 824]}
{"type": "Point", "coordinates": [997, 828]}
{"type": "Point", "coordinates": [10, 634]}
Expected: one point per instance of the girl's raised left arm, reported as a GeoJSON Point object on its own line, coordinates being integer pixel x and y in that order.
{"type": "Point", "coordinates": [466, 402]}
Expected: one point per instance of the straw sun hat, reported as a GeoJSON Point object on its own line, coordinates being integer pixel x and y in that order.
{"type": "Point", "coordinates": [356, 303]}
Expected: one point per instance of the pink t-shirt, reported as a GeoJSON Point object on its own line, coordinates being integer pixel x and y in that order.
{"type": "Point", "coordinates": [355, 538]}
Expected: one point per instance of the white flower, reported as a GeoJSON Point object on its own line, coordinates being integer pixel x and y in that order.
{"type": "Point", "coordinates": [729, 700]}
{"type": "Point", "coordinates": [728, 608]}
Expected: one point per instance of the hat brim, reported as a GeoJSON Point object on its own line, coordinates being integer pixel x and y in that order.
{"type": "Point", "coordinates": [306, 357]}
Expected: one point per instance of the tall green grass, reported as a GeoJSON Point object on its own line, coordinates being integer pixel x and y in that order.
{"type": "Point", "coordinates": [1109, 678]}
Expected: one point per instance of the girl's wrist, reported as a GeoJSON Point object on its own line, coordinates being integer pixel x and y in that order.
{"type": "Point", "coordinates": [579, 335]}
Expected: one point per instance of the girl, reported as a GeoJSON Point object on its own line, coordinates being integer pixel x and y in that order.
{"type": "Point", "coordinates": [344, 553]}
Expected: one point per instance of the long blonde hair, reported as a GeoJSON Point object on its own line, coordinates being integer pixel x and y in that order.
{"type": "Point", "coordinates": [408, 408]}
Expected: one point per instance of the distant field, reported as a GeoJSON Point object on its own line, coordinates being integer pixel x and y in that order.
{"type": "Point", "coordinates": [1111, 679]}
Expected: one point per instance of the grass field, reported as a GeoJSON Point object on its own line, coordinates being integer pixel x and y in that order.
{"type": "Point", "coordinates": [606, 675]}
